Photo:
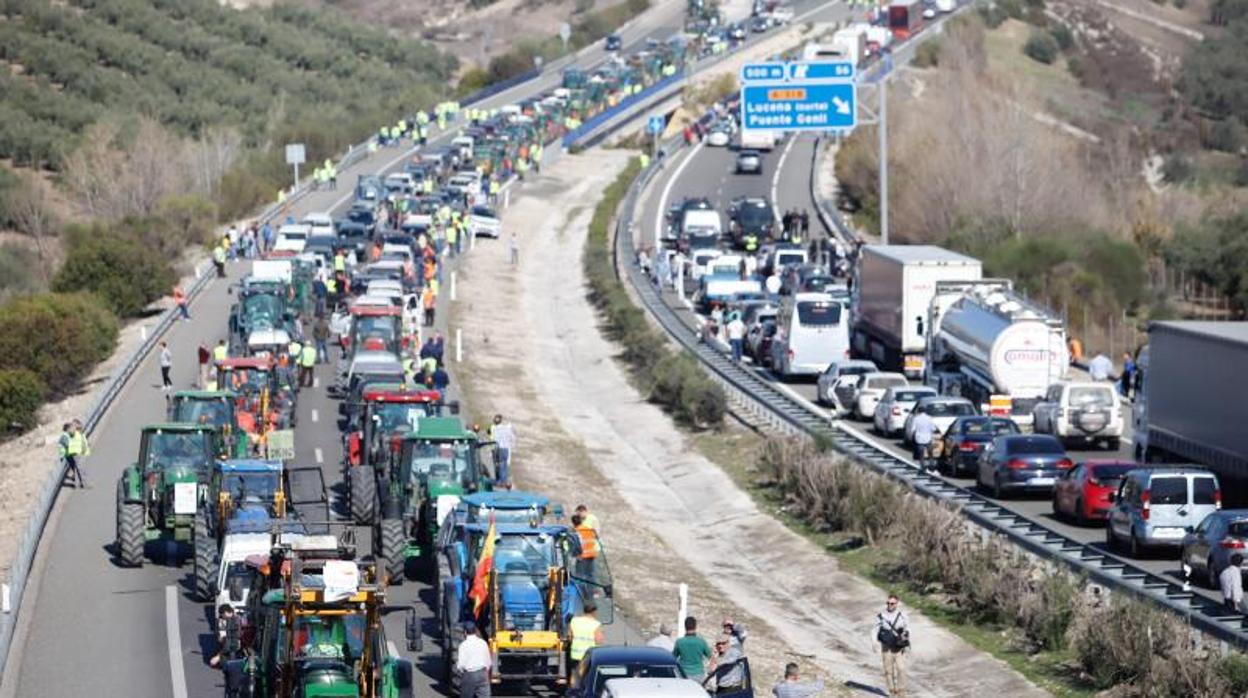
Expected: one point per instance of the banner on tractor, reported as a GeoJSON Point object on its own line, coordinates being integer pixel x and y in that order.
{"type": "Point", "coordinates": [280, 445]}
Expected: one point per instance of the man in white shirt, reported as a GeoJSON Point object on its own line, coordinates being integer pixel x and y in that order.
{"type": "Point", "coordinates": [924, 429]}
{"type": "Point", "coordinates": [736, 336]}
{"type": "Point", "coordinates": [504, 437]}
{"type": "Point", "coordinates": [664, 639]}
{"type": "Point", "coordinates": [1100, 367]}
{"type": "Point", "coordinates": [1231, 580]}
{"type": "Point", "coordinates": [473, 664]}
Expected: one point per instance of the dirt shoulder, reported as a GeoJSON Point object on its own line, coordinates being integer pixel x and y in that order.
{"type": "Point", "coordinates": [669, 515]}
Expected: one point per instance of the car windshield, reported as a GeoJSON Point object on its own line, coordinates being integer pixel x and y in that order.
{"type": "Point", "coordinates": [338, 637]}
{"type": "Point", "coordinates": [400, 416]}
{"type": "Point", "coordinates": [755, 214]}
{"type": "Point", "coordinates": [988, 427]}
{"type": "Point", "coordinates": [166, 449]}
{"type": "Point", "coordinates": [948, 409]}
{"type": "Point", "coordinates": [214, 411]}
{"type": "Point", "coordinates": [819, 313]}
{"type": "Point", "coordinates": [885, 382]}
{"type": "Point", "coordinates": [237, 579]}
{"type": "Point", "coordinates": [606, 672]}
{"type": "Point", "coordinates": [1091, 396]}
{"type": "Point", "coordinates": [360, 215]}
{"type": "Point", "coordinates": [1035, 446]}
{"type": "Point", "coordinates": [262, 310]}
{"type": "Point", "coordinates": [484, 212]}
{"type": "Point", "coordinates": [442, 460]}
{"type": "Point", "coordinates": [1111, 472]}
{"type": "Point", "coordinates": [253, 486]}
{"type": "Point", "coordinates": [1168, 490]}
{"type": "Point", "coordinates": [526, 556]}
{"type": "Point", "coordinates": [817, 284]}
{"type": "Point", "coordinates": [383, 327]}
{"type": "Point", "coordinates": [245, 380]}
{"type": "Point", "coordinates": [909, 395]}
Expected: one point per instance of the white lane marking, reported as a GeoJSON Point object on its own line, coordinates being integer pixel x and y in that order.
{"type": "Point", "coordinates": [316, 416]}
{"type": "Point", "coordinates": [320, 456]}
{"type": "Point", "coordinates": [316, 382]}
{"type": "Point", "coordinates": [173, 634]}
{"type": "Point", "coordinates": [775, 178]}
{"type": "Point", "coordinates": [667, 191]}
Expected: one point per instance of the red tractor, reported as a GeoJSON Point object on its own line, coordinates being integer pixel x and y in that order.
{"type": "Point", "coordinates": [374, 431]}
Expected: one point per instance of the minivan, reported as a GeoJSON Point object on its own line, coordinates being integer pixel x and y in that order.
{"type": "Point", "coordinates": [812, 331]}
{"type": "Point", "coordinates": [1156, 507]}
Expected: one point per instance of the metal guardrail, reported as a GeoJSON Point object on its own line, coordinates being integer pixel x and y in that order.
{"type": "Point", "coordinates": [797, 417]}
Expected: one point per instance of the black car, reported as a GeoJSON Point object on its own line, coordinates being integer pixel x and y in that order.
{"type": "Point", "coordinates": [965, 438]}
{"type": "Point", "coordinates": [751, 215]}
{"type": "Point", "coordinates": [612, 662]}
{"type": "Point", "coordinates": [1022, 463]}
{"type": "Point", "coordinates": [614, 42]}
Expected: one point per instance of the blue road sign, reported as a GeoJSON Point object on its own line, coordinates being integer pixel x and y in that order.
{"type": "Point", "coordinates": [824, 70]}
{"type": "Point", "coordinates": [799, 107]}
{"type": "Point", "coordinates": [768, 72]}
{"type": "Point", "coordinates": [655, 125]}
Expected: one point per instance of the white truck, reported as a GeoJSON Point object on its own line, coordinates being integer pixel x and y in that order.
{"type": "Point", "coordinates": [754, 139]}
{"type": "Point", "coordinates": [992, 346]}
{"type": "Point", "coordinates": [1192, 381]}
{"type": "Point", "coordinates": [892, 291]}
{"type": "Point", "coordinates": [848, 45]}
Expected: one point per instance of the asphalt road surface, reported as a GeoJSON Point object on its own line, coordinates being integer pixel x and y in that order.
{"type": "Point", "coordinates": [785, 180]}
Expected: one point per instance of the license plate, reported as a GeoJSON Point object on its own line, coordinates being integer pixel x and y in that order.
{"type": "Point", "coordinates": [1169, 532]}
{"type": "Point", "coordinates": [1040, 481]}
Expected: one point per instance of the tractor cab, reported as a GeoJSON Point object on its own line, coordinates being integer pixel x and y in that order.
{"type": "Point", "coordinates": [214, 408]}
{"type": "Point", "coordinates": [507, 507]}
{"type": "Point", "coordinates": [259, 309]}
{"type": "Point", "coordinates": [319, 632]}
{"type": "Point", "coordinates": [386, 414]}
{"type": "Point", "coordinates": [375, 328]}
{"type": "Point", "coordinates": [439, 459]}
{"type": "Point", "coordinates": [264, 392]}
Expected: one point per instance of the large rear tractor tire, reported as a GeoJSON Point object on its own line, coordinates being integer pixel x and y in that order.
{"type": "Point", "coordinates": [390, 551]}
{"type": "Point", "coordinates": [206, 562]}
{"type": "Point", "coordinates": [362, 494]}
{"type": "Point", "coordinates": [131, 533]}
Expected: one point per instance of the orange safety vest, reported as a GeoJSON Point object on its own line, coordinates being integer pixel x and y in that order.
{"type": "Point", "coordinates": [429, 299]}
{"type": "Point", "coordinates": [589, 542]}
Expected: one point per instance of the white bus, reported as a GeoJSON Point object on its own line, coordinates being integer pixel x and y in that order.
{"type": "Point", "coordinates": [812, 331]}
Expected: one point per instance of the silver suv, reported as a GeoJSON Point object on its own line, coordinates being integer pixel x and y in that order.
{"type": "Point", "coordinates": [1157, 507]}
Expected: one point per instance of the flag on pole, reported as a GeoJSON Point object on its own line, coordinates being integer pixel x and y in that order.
{"type": "Point", "coordinates": [485, 563]}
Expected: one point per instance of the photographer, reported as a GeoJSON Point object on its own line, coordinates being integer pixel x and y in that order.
{"type": "Point", "coordinates": [892, 634]}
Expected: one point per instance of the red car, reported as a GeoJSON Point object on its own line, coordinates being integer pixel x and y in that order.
{"type": "Point", "coordinates": [1083, 492]}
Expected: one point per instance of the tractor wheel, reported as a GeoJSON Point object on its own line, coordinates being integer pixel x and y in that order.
{"type": "Point", "coordinates": [390, 553]}
{"type": "Point", "coordinates": [205, 560]}
{"type": "Point", "coordinates": [362, 494]}
{"type": "Point", "coordinates": [131, 533]}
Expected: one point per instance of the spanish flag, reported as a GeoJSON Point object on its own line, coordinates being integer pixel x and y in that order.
{"type": "Point", "coordinates": [485, 563]}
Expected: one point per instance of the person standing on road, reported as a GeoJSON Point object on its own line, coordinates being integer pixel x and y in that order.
{"type": "Point", "coordinates": [179, 299]}
{"type": "Point", "coordinates": [205, 359]}
{"type": "Point", "coordinates": [221, 352]}
{"type": "Point", "coordinates": [320, 333]}
{"type": "Point", "coordinates": [692, 652]}
{"type": "Point", "coordinates": [1128, 374]}
{"type": "Point", "coordinates": [1231, 580]}
{"type": "Point", "coordinates": [307, 360]}
{"type": "Point", "coordinates": [736, 337]}
{"type": "Point", "coordinates": [166, 365]}
{"type": "Point", "coordinates": [584, 633]}
{"type": "Point", "coordinates": [513, 250]}
{"type": "Point", "coordinates": [218, 259]}
{"type": "Point", "coordinates": [473, 662]}
{"type": "Point", "coordinates": [664, 639]}
{"type": "Point", "coordinates": [228, 632]}
{"type": "Point", "coordinates": [504, 437]}
{"type": "Point", "coordinates": [793, 687]}
{"type": "Point", "coordinates": [590, 519]}
{"type": "Point", "coordinates": [924, 430]}
{"type": "Point", "coordinates": [74, 447]}
{"type": "Point", "coordinates": [892, 634]}
{"type": "Point", "coordinates": [1100, 367]}
{"type": "Point", "coordinates": [429, 301]}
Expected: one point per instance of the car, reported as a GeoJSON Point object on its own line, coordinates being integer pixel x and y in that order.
{"type": "Point", "coordinates": [750, 215]}
{"type": "Point", "coordinates": [760, 24]}
{"type": "Point", "coordinates": [291, 238]}
{"type": "Point", "coordinates": [614, 42]}
{"type": "Point", "coordinates": [400, 183]}
{"type": "Point", "coordinates": [871, 388]}
{"type": "Point", "coordinates": [719, 137]}
{"type": "Point", "coordinates": [942, 409]}
{"type": "Point", "coordinates": [319, 223]}
{"type": "Point", "coordinates": [653, 688]}
{"type": "Point", "coordinates": [1021, 463]}
{"type": "Point", "coordinates": [960, 446]}
{"type": "Point", "coordinates": [737, 31]}
{"type": "Point", "coordinates": [1156, 506]}
{"type": "Point", "coordinates": [485, 222]}
{"type": "Point", "coordinates": [1081, 412]}
{"type": "Point", "coordinates": [1083, 493]}
{"type": "Point", "coordinates": [895, 405]}
{"type": "Point", "coordinates": [1209, 547]}
{"type": "Point", "coordinates": [758, 340]}
{"type": "Point", "coordinates": [601, 664]}
{"type": "Point", "coordinates": [700, 262]}
{"type": "Point", "coordinates": [828, 381]}
{"type": "Point", "coordinates": [749, 161]}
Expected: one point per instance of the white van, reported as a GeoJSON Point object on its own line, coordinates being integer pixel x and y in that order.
{"type": "Point", "coordinates": [292, 238]}
{"type": "Point", "coordinates": [653, 688]}
{"type": "Point", "coordinates": [699, 222]}
{"type": "Point", "coordinates": [812, 331]}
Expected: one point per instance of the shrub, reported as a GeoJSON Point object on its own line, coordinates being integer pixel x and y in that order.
{"type": "Point", "coordinates": [1041, 47]}
{"type": "Point", "coordinates": [472, 80]}
{"type": "Point", "coordinates": [59, 337]}
{"type": "Point", "coordinates": [1177, 169]}
{"type": "Point", "coordinates": [992, 15]}
{"type": "Point", "coordinates": [21, 394]}
{"type": "Point", "coordinates": [19, 269]}
{"type": "Point", "coordinates": [1226, 135]}
{"type": "Point", "coordinates": [927, 55]}
{"type": "Point", "coordinates": [1064, 37]}
{"type": "Point", "coordinates": [122, 271]}
{"type": "Point", "coordinates": [1241, 173]}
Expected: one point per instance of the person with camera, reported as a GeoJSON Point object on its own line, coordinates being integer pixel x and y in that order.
{"type": "Point", "coordinates": [892, 634]}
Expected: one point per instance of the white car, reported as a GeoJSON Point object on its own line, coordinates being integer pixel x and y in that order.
{"type": "Point", "coordinates": [943, 410]}
{"type": "Point", "coordinates": [319, 223]}
{"type": "Point", "coordinates": [400, 183]}
{"type": "Point", "coordinates": [292, 238]}
{"type": "Point", "coordinates": [1081, 412]}
{"type": "Point", "coordinates": [871, 388]}
{"type": "Point", "coordinates": [702, 262]}
{"type": "Point", "coordinates": [485, 223]}
{"type": "Point", "coordinates": [827, 393]}
{"type": "Point", "coordinates": [718, 137]}
{"type": "Point", "coordinates": [749, 161]}
{"type": "Point", "coordinates": [895, 406]}
{"type": "Point", "coordinates": [233, 582]}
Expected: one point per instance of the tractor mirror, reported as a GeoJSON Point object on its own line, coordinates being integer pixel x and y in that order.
{"type": "Point", "coordinates": [454, 406]}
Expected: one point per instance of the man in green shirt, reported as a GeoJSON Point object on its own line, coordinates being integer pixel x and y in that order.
{"type": "Point", "coordinates": [692, 652]}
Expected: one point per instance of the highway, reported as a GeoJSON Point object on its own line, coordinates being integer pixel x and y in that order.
{"type": "Point", "coordinates": [705, 171]}
{"type": "Point", "coordinates": [91, 627]}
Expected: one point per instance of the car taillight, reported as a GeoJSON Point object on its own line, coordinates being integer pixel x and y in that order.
{"type": "Point", "coordinates": [1217, 498]}
{"type": "Point", "coordinates": [1065, 464]}
{"type": "Point", "coordinates": [896, 411]}
{"type": "Point", "coordinates": [792, 355]}
{"type": "Point", "coordinates": [1144, 497]}
{"type": "Point", "coordinates": [1016, 464]}
{"type": "Point", "coordinates": [1232, 544]}
{"type": "Point", "coordinates": [967, 447]}
{"type": "Point", "coordinates": [846, 353]}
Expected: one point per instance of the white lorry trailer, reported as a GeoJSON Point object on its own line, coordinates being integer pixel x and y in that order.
{"type": "Point", "coordinates": [893, 288]}
{"type": "Point", "coordinates": [1191, 384]}
{"type": "Point", "coordinates": [991, 345]}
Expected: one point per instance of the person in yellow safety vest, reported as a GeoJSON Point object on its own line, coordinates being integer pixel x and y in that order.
{"type": "Point", "coordinates": [494, 188]}
{"type": "Point", "coordinates": [584, 632]}
{"type": "Point", "coordinates": [452, 238]}
{"type": "Point", "coordinates": [402, 127]}
{"type": "Point", "coordinates": [307, 360]}
{"type": "Point", "coordinates": [424, 134]}
{"type": "Point", "coordinates": [332, 175]}
{"type": "Point", "coordinates": [294, 349]}
{"type": "Point", "coordinates": [409, 370]}
{"type": "Point", "coordinates": [220, 352]}
{"type": "Point", "coordinates": [428, 185]}
{"type": "Point", "coordinates": [645, 161]}
{"type": "Point", "coordinates": [281, 196]}
{"type": "Point", "coordinates": [372, 146]}
{"type": "Point", "coordinates": [588, 518]}
{"type": "Point", "coordinates": [340, 262]}
{"type": "Point", "coordinates": [73, 447]}
{"type": "Point", "coordinates": [751, 243]}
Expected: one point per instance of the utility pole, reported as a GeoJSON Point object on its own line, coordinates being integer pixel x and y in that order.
{"type": "Point", "coordinates": [883, 92]}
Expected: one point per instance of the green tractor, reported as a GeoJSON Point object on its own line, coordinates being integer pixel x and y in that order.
{"type": "Point", "coordinates": [215, 408]}
{"type": "Point", "coordinates": [158, 496]}
{"type": "Point", "coordinates": [417, 486]}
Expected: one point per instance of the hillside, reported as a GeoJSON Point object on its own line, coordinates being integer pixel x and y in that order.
{"type": "Point", "coordinates": [195, 65]}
